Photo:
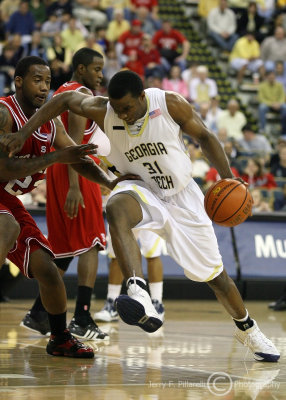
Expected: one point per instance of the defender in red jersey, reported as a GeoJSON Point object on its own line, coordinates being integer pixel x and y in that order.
{"type": "Point", "coordinates": [74, 206]}
{"type": "Point", "coordinates": [21, 240]}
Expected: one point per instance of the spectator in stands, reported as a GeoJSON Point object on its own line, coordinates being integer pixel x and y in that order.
{"type": "Point", "coordinates": [232, 153]}
{"type": "Point", "coordinates": [254, 143]}
{"type": "Point", "coordinates": [150, 57]}
{"type": "Point", "coordinates": [8, 7]}
{"type": "Point", "coordinates": [49, 29]}
{"type": "Point", "coordinates": [223, 136]}
{"type": "Point", "coordinates": [202, 88]}
{"type": "Point", "coordinates": [65, 20]}
{"type": "Point", "coordinates": [101, 38]}
{"type": "Point", "coordinates": [275, 158]}
{"type": "Point", "coordinates": [148, 24]}
{"type": "Point", "coordinates": [134, 64]}
{"type": "Point", "coordinates": [21, 22]}
{"type": "Point", "coordinates": [205, 6]}
{"type": "Point", "coordinates": [59, 7]}
{"type": "Point", "coordinates": [280, 205]}
{"type": "Point", "coordinates": [38, 10]}
{"type": "Point", "coordinates": [190, 72]}
{"type": "Point", "coordinates": [35, 47]}
{"type": "Point", "coordinates": [130, 40]}
{"type": "Point", "coordinates": [250, 21]}
{"type": "Point", "coordinates": [232, 119]}
{"type": "Point", "coordinates": [213, 176]}
{"type": "Point", "coordinates": [16, 42]}
{"type": "Point", "coordinates": [199, 165]}
{"type": "Point", "coordinates": [280, 72]}
{"type": "Point", "coordinates": [59, 74]}
{"type": "Point", "coordinates": [111, 65]}
{"type": "Point", "coordinates": [221, 23]}
{"type": "Point", "coordinates": [260, 203]}
{"type": "Point", "coordinates": [255, 175]}
{"type": "Point", "coordinates": [151, 5]}
{"type": "Point", "coordinates": [174, 82]}
{"type": "Point", "coordinates": [8, 63]}
{"type": "Point", "coordinates": [58, 52]}
{"type": "Point", "coordinates": [117, 26]}
{"type": "Point", "coordinates": [91, 43]}
{"type": "Point", "coordinates": [246, 55]}
{"type": "Point", "coordinates": [87, 11]}
{"type": "Point", "coordinates": [213, 114]}
{"type": "Point", "coordinates": [111, 6]}
{"type": "Point", "coordinates": [273, 48]}
{"type": "Point", "coordinates": [154, 81]}
{"type": "Point", "coordinates": [203, 109]}
{"type": "Point", "coordinates": [271, 96]}
{"type": "Point", "coordinates": [266, 10]}
{"type": "Point", "coordinates": [279, 168]}
{"type": "Point", "coordinates": [168, 41]}
{"type": "Point", "coordinates": [72, 36]}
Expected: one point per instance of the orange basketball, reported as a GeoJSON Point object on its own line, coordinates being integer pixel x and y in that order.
{"type": "Point", "coordinates": [228, 202]}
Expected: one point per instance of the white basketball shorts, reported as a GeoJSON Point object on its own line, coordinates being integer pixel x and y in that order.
{"type": "Point", "coordinates": [182, 221]}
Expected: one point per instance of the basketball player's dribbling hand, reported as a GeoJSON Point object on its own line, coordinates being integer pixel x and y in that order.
{"type": "Point", "coordinates": [76, 154]}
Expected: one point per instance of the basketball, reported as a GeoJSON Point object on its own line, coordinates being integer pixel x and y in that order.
{"type": "Point", "coordinates": [228, 202]}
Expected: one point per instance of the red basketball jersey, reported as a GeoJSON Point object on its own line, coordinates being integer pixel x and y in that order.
{"type": "Point", "coordinates": [90, 125]}
{"type": "Point", "coordinates": [72, 237]}
{"type": "Point", "coordinates": [30, 237]}
{"type": "Point", "coordinates": [37, 145]}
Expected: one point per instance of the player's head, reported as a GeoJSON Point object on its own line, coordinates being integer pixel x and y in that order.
{"type": "Point", "coordinates": [87, 66]}
{"type": "Point", "coordinates": [127, 96]}
{"type": "Point", "coordinates": [32, 81]}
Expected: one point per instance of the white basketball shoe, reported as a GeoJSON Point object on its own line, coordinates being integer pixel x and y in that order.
{"type": "Point", "coordinates": [136, 308]}
{"type": "Point", "coordinates": [262, 348]}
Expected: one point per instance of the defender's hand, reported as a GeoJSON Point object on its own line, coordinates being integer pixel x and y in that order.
{"type": "Point", "coordinates": [12, 143]}
{"type": "Point", "coordinates": [76, 154]}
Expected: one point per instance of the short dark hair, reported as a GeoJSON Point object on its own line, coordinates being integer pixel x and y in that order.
{"type": "Point", "coordinates": [247, 127]}
{"type": "Point", "coordinates": [124, 82]}
{"type": "Point", "coordinates": [22, 67]}
{"type": "Point", "coordinates": [84, 56]}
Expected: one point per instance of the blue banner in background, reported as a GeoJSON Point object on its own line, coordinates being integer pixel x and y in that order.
{"type": "Point", "coordinates": [262, 249]}
{"type": "Point", "coordinates": [171, 268]}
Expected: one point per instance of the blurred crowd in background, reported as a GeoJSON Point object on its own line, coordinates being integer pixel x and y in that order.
{"type": "Point", "coordinates": [247, 36]}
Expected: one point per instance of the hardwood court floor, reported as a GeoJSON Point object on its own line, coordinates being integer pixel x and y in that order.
{"type": "Point", "coordinates": [193, 357]}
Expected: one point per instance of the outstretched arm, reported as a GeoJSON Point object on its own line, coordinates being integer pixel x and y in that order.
{"type": "Point", "coordinates": [191, 124]}
{"type": "Point", "coordinates": [79, 103]}
{"type": "Point", "coordinates": [16, 168]}
{"type": "Point", "coordinates": [90, 170]}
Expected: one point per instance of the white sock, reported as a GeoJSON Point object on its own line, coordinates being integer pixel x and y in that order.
{"type": "Point", "coordinates": [113, 291]}
{"type": "Point", "coordinates": [156, 291]}
{"type": "Point", "coordinates": [242, 319]}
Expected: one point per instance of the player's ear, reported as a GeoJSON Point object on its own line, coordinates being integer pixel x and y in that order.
{"type": "Point", "coordinates": [142, 95]}
{"type": "Point", "coordinates": [18, 81]}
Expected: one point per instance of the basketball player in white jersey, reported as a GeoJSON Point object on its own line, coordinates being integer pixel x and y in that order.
{"type": "Point", "coordinates": [145, 130]}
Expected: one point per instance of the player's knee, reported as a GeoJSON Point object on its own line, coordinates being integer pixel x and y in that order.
{"type": "Point", "coordinates": [115, 211]}
{"type": "Point", "coordinates": [221, 282]}
{"type": "Point", "coordinates": [47, 273]}
{"type": "Point", "coordinates": [12, 231]}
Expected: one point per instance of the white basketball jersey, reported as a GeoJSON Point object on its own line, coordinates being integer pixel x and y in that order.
{"type": "Point", "coordinates": [157, 153]}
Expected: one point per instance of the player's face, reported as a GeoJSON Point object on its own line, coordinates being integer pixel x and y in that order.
{"type": "Point", "coordinates": [35, 85]}
{"type": "Point", "coordinates": [92, 74]}
{"type": "Point", "coordinates": [129, 108]}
